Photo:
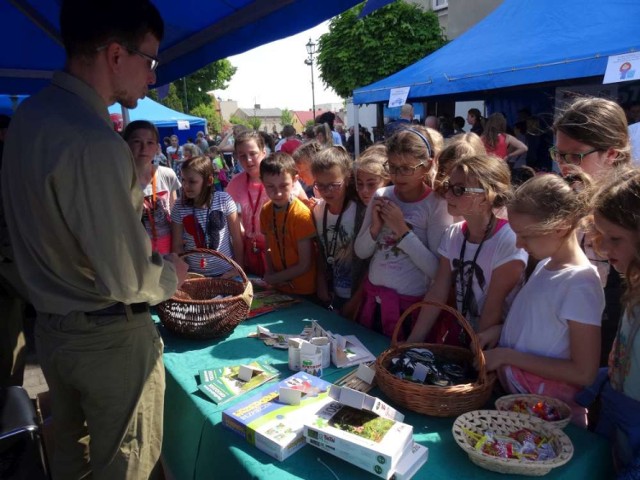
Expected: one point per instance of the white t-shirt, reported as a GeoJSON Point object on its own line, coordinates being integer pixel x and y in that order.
{"type": "Point", "coordinates": [210, 229]}
{"type": "Point", "coordinates": [408, 266]}
{"type": "Point", "coordinates": [166, 183]}
{"type": "Point", "coordinates": [342, 242]}
{"type": "Point", "coordinates": [496, 251]}
{"type": "Point", "coordinates": [537, 322]}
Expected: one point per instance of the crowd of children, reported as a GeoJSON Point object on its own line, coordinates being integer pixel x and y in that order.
{"type": "Point", "coordinates": [536, 270]}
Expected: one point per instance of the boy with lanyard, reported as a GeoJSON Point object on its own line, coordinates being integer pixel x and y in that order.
{"type": "Point", "coordinates": [289, 229]}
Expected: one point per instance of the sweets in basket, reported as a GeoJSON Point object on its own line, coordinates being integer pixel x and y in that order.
{"type": "Point", "coordinates": [510, 442]}
{"type": "Point", "coordinates": [437, 399]}
{"type": "Point", "coordinates": [549, 409]}
{"type": "Point", "coordinates": [207, 307]}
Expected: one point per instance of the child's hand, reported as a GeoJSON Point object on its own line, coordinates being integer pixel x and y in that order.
{"type": "Point", "coordinates": [393, 217]}
{"type": "Point", "coordinates": [494, 358]}
{"type": "Point", "coordinates": [489, 338]}
{"type": "Point", "coordinates": [376, 219]}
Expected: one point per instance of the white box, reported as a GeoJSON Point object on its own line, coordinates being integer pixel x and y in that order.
{"type": "Point", "coordinates": [410, 462]}
{"type": "Point", "coordinates": [362, 401]}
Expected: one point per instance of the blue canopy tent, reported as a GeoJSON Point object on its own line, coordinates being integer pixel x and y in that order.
{"type": "Point", "coordinates": [196, 34]}
{"type": "Point", "coordinates": [169, 122]}
{"type": "Point", "coordinates": [522, 42]}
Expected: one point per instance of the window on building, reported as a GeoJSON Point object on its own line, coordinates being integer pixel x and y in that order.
{"type": "Point", "coordinates": [439, 4]}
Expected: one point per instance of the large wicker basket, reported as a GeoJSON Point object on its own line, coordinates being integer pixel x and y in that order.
{"type": "Point", "coordinates": [506, 403]}
{"type": "Point", "coordinates": [429, 399]}
{"type": "Point", "coordinates": [467, 427]}
{"type": "Point", "coordinates": [194, 313]}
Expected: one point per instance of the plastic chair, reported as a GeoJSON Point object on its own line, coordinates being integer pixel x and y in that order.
{"type": "Point", "coordinates": [21, 446]}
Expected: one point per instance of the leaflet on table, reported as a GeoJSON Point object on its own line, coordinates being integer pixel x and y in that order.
{"type": "Point", "coordinates": [272, 425]}
{"type": "Point", "coordinates": [268, 301]}
{"type": "Point", "coordinates": [223, 384]}
{"type": "Point", "coordinates": [360, 437]}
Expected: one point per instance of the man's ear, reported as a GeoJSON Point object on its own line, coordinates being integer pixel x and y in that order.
{"type": "Point", "coordinates": [114, 53]}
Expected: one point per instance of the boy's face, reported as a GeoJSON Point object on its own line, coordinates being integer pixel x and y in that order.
{"type": "Point", "coordinates": [279, 188]}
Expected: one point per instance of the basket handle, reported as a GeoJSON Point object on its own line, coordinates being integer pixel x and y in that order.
{"type": "Point", "coordinates": [247, 295]}
{"type": "Point", "coordinates": [475, 342]}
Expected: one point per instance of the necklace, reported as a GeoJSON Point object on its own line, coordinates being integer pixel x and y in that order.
{"type": "Point", "coordinates": [467, 287]}
{"type": "Point", "coordinates": [254, 210]}
{"type": "Point", "coordinates": [281, 245]}
{"type": "Point", "coordinates": [331, 246]}
{"type": "Point", "coordinates": [151, 211]}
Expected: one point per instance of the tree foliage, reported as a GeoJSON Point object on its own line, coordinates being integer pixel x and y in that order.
{"type": "Point", "coordinates": [215, 76]}
{"type": "Point", "coordinates": [254, 123]}
{"type": "Point", "coordinates": [356, 52]}
{"type": "Point", "coordinates": [236, 120]}
{"type": "Point", "coordinates": [286, 117]}
{"type": "Point", "coordinates": [209, 113]}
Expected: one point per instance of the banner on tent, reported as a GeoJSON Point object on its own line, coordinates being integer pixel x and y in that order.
{"type": "Point", "coordinates": [183, 125]}
{"type": "Point", "coordinates": [622, 68]}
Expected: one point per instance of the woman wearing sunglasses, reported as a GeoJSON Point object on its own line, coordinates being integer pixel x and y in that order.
{"type": "Point", "coordinates": [592, 136]}
{"type": "Point", "coordinates": [478, 256]}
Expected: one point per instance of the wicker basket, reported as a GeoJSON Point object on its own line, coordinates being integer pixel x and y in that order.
{"type": "Point", "coordinates": [193, 313]}
{"type": "Point", "coordinates": [429, 399]}
{"type": "Point", "coordinates": [504, 423]}
{"type": "Point", "coordinates": [505, 403]}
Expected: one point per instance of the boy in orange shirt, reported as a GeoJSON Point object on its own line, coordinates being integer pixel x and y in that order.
{"type": "Point", "coordinates": [289, 229]}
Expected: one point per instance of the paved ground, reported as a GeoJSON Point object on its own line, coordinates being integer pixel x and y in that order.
{"type": "Point", "coordinates": [34, 381]}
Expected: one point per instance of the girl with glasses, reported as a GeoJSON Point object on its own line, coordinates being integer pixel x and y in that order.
{"type": "Point", "coordinates": [592, 136]}
{"type": "Point", "coordinates": [478, 256]}
{"type": "Point", "coordinates": [550, 341]}
{"type": "Point", "coordinates": [338, 215]}
{"type": "Point", "coordinates": [401, 232]}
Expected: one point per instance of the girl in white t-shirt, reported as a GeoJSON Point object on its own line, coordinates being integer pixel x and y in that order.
{"type": "Point", "coordinates": [478, 256]}
{"type": "Point", "coordinates": [401, 232]}
{"type": "Point", "coordinates": [204, 218]}
{"type": "Point", "coordinates": [550, 341]}
{"type": "Point", "coordinates": [617, 224]}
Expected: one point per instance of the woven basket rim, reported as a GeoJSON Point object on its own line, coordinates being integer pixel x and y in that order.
{"type": "Point", "coordinates": [504, 403]}
{"type": "Point", "coordinates": [527, 421]}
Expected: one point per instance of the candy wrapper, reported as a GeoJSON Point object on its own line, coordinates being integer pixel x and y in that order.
{"type": "Point", "coordinates": [522, 444]}
{"type": "Point", "coordinates": [540, 409]}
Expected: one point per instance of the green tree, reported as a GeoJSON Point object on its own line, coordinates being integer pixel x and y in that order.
{"type": "Point", "coordinates": [356, 52]}
{"type": "Point", "coordinates": [209, 113]}
{"type": "Point", "coordinates": [254, 123]}
{"type": "Point", "coordinates": [215, 76]}
{"type": "Point", "coordinates": [310, 123]}
{"type": "Point", "coordinates": [286, 117]}
{"type": "Point", "coordinates": [236, 120]}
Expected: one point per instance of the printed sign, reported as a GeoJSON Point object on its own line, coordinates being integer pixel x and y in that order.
{"type": "Point", "coordinates": [622, 68]}
{"type": "Point", "coordinates": [398, 96]}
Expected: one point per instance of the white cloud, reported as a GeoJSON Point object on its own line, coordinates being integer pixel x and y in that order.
{"type": "Point", "coordinates": [275, 75]}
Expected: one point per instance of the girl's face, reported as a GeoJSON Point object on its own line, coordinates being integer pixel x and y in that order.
{"type": "Point", "coordinates": [618, 244]}
{"type": "Point", "coordinates": [408, 173]}
{"type": "Point", "coordinates": [471, 119]}
{"type": "Point", "coordinates": [332, 186]}
{"type": "Point", "coordinates": [250, 155]}
{"type": "Point", "coordinates": [143, 145]}
{"type": "Point", "coordinates": [174, 142]}
{"type": "Point", "coordinates": [187, 154]}
{"type": "Point", "coordinates": [321, 138]}
{"type": "Point", "coordinates": [469, 203]}
{"type": "Point", "coordinates": [597, 163]}
{"type": "Point", "coordinates": [538, 245]}
{"type": "Point", "coordinates": [366, 184]}
{"type": "Point", "coordinates": [304, 170]}
{"type": "Point", "coordinates": [192, 183]}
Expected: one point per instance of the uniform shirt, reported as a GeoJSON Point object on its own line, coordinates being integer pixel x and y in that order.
{"type": "Point", "coordinates": [74, 205]}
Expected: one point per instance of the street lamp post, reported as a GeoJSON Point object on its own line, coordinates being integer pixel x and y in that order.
{"type": "Point", "coordinates": [311, 50]}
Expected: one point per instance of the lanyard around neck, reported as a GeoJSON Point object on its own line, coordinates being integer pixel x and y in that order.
{"type": "Point", "coordinates": [281, 245]}
{"type": "Point", "coordinates": [468, 288]}
{"type": "Point", "coordinates": [331, 247]}
{"type": "Point", "coordinates": [254, 205]}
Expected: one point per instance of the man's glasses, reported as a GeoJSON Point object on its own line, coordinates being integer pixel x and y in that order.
{"type": "Point", "coordinates": [153, 61]}
{"type": "Point", "coordinates": [327, 187]}
{"type": "Point", "coordinates": [459, 190]}
{"type": "Point", "coordinates": [404, 170]}
{"type": "Point", "coordinates": [569, 158]}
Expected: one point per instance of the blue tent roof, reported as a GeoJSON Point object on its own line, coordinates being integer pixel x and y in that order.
{"type": "Point", "coordinates": [521, 42]}
{"type": "Point", "coordinates": [196, 33]}
{"type": "Point", "coordinates": [157, 114]}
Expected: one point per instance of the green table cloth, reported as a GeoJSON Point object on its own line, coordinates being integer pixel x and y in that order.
{"type": "Point", "coordinates": [197, 446]}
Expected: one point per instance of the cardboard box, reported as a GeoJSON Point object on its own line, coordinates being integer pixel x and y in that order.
{"type": "Point", "coordinates": [273, 426]}
{"type": "Point", "coordinates": [362, 438]}
{"type": "Point", "coordinates": [411, 461]}
{"type": "Point", "coordinates": [362, 401]}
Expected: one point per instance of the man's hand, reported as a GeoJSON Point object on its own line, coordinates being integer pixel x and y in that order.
{"type": "Point", "coordinates": [180, 266]}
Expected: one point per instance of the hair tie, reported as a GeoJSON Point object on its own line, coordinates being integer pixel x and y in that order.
{"type": "Point", "coordinates": [422, 137]}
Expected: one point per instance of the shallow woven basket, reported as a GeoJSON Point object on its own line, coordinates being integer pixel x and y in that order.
{"type": "Point", "coordinates": [430, 399]}
{"type": "Point", "coordinates": [193, 313]}
{"type": "Point", "coordinates": [504, 423]}
{"type": "Point", "coordinates": [504, 404]}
